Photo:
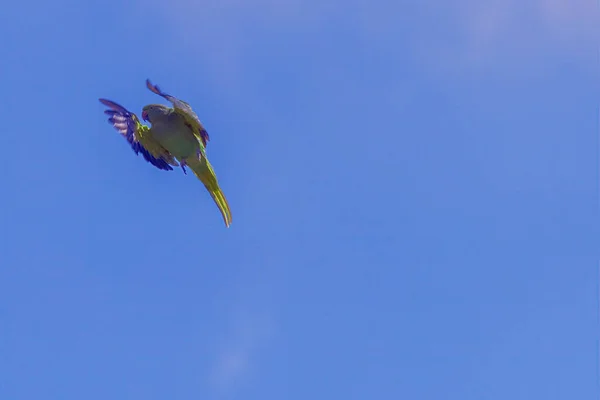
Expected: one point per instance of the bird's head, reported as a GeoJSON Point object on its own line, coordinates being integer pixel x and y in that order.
{"type": "Point", "coordinates": [153, 112]}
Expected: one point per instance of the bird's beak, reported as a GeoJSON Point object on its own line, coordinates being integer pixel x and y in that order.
{"type": "Point", "coordinates": [145, 116]}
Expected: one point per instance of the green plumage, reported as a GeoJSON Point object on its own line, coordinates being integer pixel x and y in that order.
{"type": "Point", "coordinates": [176, 137]}
{"type": "Point", "coordinates": [171, 130]}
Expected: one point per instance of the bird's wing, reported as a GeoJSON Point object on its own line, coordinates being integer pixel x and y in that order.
{"type": "Point", "coordinates": [138, 135]}
{"type": "Point", "coordinates": [185, 110]}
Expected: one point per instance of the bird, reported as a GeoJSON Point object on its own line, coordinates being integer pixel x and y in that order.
{"type": "Point", "coordinates": [175, 137]}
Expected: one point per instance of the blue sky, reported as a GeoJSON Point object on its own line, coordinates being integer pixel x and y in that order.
{"type": "Point", "coordinates": [414, 191]}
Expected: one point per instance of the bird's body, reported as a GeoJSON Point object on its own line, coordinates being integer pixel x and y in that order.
{"type": "Point", "coordinates": [176, 137]}
{"type": "Point", "coordinates": [170, 130]}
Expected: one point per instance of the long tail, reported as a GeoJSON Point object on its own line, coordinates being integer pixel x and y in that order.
{"type": "Point", "coordinates": [207, 176]}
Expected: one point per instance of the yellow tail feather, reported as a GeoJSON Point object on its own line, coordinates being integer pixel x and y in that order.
{"type": "Point", "coordinates": [203, 171]}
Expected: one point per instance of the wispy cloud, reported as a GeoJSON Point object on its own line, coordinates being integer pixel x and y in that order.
{"type": "Point", "coordinates": [458, 35]}
{"type": "Point", "coordinates": [515, 37]}
{"type": "Point", "coordinates": [491, 21]}
{"type": "Point", "coordinates": [221, 34]}
{"type": "Point", "coordinates": [236, 355]}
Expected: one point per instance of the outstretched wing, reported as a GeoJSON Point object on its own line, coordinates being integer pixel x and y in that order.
{"type": "Point", "coordinates": [138, 136]}
{"type": "Point", "coordinates": [185, 110]}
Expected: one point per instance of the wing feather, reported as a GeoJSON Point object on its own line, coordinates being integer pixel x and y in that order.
{"type": "Point", "coordinates": [185, 110]}
{"type": "Point", "coordinates": [138, 136]}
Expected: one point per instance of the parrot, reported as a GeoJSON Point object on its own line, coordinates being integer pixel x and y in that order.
{"type": "Point", "coordinates": [175, 137]}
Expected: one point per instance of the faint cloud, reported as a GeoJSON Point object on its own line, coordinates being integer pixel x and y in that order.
{"type": "Point", "coordinates": [512, 37]}
{"type": "Point", "coordinates": [455, 35]}
{"type": "Point", "coordinates": [222, 33]}
{"type": "Point", "coordinates": [237, 355]}
{"type": "Point", "coordinates": [216, 32]}
{"type": "Point", "coordinates": [526, 26]}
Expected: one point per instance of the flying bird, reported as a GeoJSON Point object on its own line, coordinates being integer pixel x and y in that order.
{"type": "Point", "coordinates": [175, 138]}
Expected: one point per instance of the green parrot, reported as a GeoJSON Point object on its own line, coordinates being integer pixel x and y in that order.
{"type": "Point", "coordinates": [176, 138]}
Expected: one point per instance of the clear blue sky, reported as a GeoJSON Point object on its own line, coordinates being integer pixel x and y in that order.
{"type": "Point", "coordinates": [414, 192]}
